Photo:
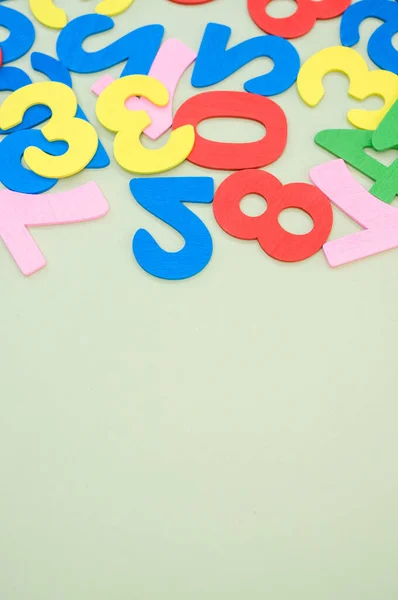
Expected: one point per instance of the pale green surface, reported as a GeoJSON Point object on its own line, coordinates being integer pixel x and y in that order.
{"type": "Point", "coordinates": [230, 437]}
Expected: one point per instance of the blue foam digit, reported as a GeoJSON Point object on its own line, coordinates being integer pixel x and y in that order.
{"type": "Point", "coordinates": [13, 174]}
{"type": "Point", "coordinates": [215, 63]}
{"type": "Point", "coordinates": [163, 197]}
{"type": "Point", "coordinates": [56, 71]}
{"type": "Point", "coordinates": [22, 34]}
{"type": "Point", "coordinates": [11, 79]}
{"type": "Point", "coordinates": [139, 47]}
{"type": "Point", "coordinates": [380, 47]}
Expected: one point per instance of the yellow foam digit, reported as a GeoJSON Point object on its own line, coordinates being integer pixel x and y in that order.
{"type": "Point", "coordinates": [363, 83]}
{"type": "Point", "coordinates": [128, 126]}
{"type": "Point", "coordinates": [79, 135]}
{"type": "Point", "coordinates": [111, 8]}
{"type": "Point", "coordinates": [48, 14]}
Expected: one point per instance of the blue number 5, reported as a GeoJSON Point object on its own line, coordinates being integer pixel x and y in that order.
{"type": "Point", "coordinates": [164, 197]}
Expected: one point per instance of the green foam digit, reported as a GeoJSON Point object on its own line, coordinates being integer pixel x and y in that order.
{"type": "Point", "coordinates": [349, 144]}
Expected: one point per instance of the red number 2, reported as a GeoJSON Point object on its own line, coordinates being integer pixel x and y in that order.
{"type": "Point", "coordinates": [273, 239]}
{"type": "Point", "coordinates": [301, 22]}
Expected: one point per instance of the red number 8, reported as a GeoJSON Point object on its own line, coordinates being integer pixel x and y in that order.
{"type": "Point", "coordinates": [273, 239]}
{"type": "Point", "coordinates": [301, 22]}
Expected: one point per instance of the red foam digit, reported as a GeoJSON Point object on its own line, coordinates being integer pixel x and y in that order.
{"type": "Point", "coordinates": [274, 240]}
{"type": "Point", "coordinates": [301, 22]}
{"type": "Point", "coordinates": [241, 105]}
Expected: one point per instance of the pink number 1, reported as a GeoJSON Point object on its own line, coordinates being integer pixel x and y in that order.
{"type": "Point", "coordinates": [19, 211]}
{"type": "Point", "coordinates": [378, 218]}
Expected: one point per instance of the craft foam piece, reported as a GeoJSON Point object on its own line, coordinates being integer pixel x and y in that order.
{"type": "Point", "coordinates": [80, 136]}
{"type": "Point", "coordinates": [215, 63]}
{"type": "Point", "coordinates": [273, 239]}
{"type": "Point", "coordinates": [48, 14]}
{"type": "Point", "coordinates": [19, 211]}
{"type": "Point", "coordinates": [56, 71]}
{"type": "Point", "coordinates": [21, 34]}
{"type": "Point", "coordinates": [172, 60]}
{"type": "Point", "coordinates": [380, 47]}
{"type": "Point", "coordinates": [363, 83]}
{"type": "Point", "coordinates": [349, 145]}
{"type": "Point", "coordinates": [138, 48]}
{"type": "Point", "coordinates": [386, 135]}
{"type": "Point", "coordinates": [13, 174]}
{"type": "Point", "coordinates": [164, 197]}
{"type": "Point", "coordinates": [11, 79]}
{"type": "Point", "coordinates": [220, 155]}
{"type": "Point", "coordinates": [111, 8]}
{"type": "Point", "coordinates": [299, 23]}
{"type": "Point", "coordinates": [379, 219]}
{"type": "Point", "coordinates": [128, 125]}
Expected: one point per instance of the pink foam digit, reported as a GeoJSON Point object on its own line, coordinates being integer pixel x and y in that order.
{"type": "Point", "coordinates": [379, 219]}
{"type": "Point", "coordinates": [19, 211]}
{"type": "Point", "coordinates": [172, 60]}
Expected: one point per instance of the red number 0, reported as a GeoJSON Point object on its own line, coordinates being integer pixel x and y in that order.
{"type": "Point", "coordinates": [301, 22]}
{"type": "Point", "coordinates": [273, 239]}
{"type": "Point", "coordinates": [241, 105]}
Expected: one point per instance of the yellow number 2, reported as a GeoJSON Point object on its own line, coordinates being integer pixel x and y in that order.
{"type": "Point", "coordinates": [129, 125]}
{"type": "Point", "coordinates": [363, 83]}
{"type": "Point", "coordinates": [79, 135]}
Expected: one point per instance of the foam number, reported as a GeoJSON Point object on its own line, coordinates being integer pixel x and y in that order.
{"type": "Point", "coordinates": [11, 79]}
{"type": "Point", "coordinates": [301, 22]}
{"type": "Point", "coordinates": [380, 46]}
{"type": "Point", "coordinates": [220, 155]}
{"type": "Point", "coordinates": [379, 220]}
{"type": "Point", "coordinates": [19, 211]}
{"type": "Point", "coordinates": [13, 175]}
{"type": "Point", "coordinates": [56, 71]}
{"type": "Point", "coordinates": [111, 8]}
{"type": "Point", "coordinates": [50, 15]}
{"type": "Point", "coordinates": [138, 48]}
{"type": "Point", "coordinates": [129, 125]}
{"type": "Point", "coordinates": [349, 145]}
{"type": "Point", "coordinates": [273, 239]}
{"type": "Point", "coordinates": [80, 136]}
{"type": "Point", "coordinates": [363, 83]}
{"type": "Point", "coordinates": [164, 197]}
{"type": "Point", "coordinates": [171, 61]}
{"type": "Point", "coordinates": [21, 34]}
{"type": "Point", "coordinates": [386, 135]}
{"type": "Point", "coordinates": [215, 63]}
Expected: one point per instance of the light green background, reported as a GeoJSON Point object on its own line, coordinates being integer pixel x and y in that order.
{"type": "Point", "coordinates": [229, 437]}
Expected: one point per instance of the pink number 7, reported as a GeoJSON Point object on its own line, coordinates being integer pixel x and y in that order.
{"type": "Point", "coordinates": [378, 218]}
{"type": "Point", "coordinates": [19, 211]}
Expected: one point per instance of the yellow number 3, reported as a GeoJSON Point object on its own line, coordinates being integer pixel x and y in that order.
{"type": "Point", "coordinates": [363, 83]}
{"type": "Point", "coordinates": [50, 15]}
{"type": "Point", "coordinates": [129, 124]}
{"type": "Point", "coordinates": [79, 135]}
